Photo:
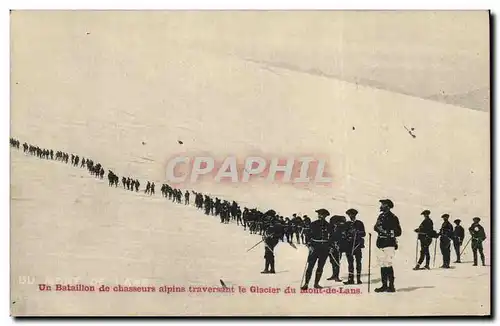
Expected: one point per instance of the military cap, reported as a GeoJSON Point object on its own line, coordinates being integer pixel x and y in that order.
{"type": "Point", "coordinates": [323, 211]}
{"type": "Point", "coordinates": [445, 216]}
{"type": "Point", "coordinates": [388, 202]}
{"type": "Point", "coordinates": [457, 221]}
{"type": "Point", "coordinates": [476, 219]}
{"type": "Point", "coordinates": [351, 211]}
{"type": "Point", "coordinates": [426, 212]}
{"type": "Point", "coordinates": [271, 212]}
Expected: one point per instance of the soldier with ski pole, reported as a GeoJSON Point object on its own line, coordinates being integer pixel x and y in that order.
{"type": "Point", "coordinates": [272, 234]}
{"type": "Point", "coordinates": [388, 229]}
{"type": "Point", "coordinates": [425, 233]}
{"type": "Point", "coordinates": [355, 231]}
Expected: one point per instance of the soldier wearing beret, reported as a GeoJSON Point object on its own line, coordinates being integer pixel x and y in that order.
{"type": "Point", "coordinates": [478, 236]}
{"type": "Point", "coordinates": [425, 233]}
{"type": "Point", "coordinates": [445, 235]}
{"type": "Point", "coordinates": [272, 234]}
{"type": "Point", "coordinates": [388, 229]}
{"type": "Point", "coordinates": [458, 238]}
{"type": "Point", "coordinates": [355, 243]}
{"type": "Point", "coordinates": [318, 248]}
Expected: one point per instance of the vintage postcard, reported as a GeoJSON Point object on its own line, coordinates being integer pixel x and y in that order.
{"type": "Point", "coordinates": [250, 163]}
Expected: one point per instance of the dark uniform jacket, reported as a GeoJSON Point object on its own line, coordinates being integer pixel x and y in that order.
{"type": "Point", "coordinates": [446, 232]}
{"type": "Point", "coordinates": [388, 228]}
{"type": "Point", "coordinates": [306, 231]}
{"type": "Point", "coordinates": [458, 234]}
{"type": "Point", "coordinates": [426, 231]}
{"type": "Point", "coordinates": [355, 232]}
{"type": "Point", "coordinates": [320, 233]}
{"type": "Point", "coordinates": [477, 232]}
{"type": "Point", "coordinates": [336, 229]}
{"type": "Point", "coordinates": [341, 237]}
{"type": "Point", "coordinates": [273, 233]}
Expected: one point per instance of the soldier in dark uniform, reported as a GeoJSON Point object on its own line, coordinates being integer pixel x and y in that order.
{"type": "Point", "coordinates": [272, 234]}
{"type": "Point", "coordinates": [356, 242]}
{"type": "Point", "coordinates": [239, 220]}
{"type": "Point", "coordinates": [388, 229]}
{"type": "Point", "coordinates": [245, 215]}
{"type": "Point", "coordinates": [445, 236]}
{"type": "Point", "coordinates": [478, 236]}
{"type": "Point", "coordinates": [207, 205]}
{"type": "Point", "coordinates": [282, 223]}
{"type": "Point", "coordinates": [425, 233]}
{"type": "Point", "coordinates": [458, 238]}
{"type": "Point", "coordinates": [336, 245]}
{"type": "Point", "coordinates": [296, 227]}
{"type": "Point", "coordinates": [288, 229]}
{"type": "Point", "coordinates": [318, 248]}
{"type": "Point", "coordinates": [306, 230]}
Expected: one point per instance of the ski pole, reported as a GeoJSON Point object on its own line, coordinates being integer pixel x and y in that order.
{"type": "Point", "coordinates": [416, 252]}
{"type": "Point", "coordinates": [305, 267]}
{"type": "Point", "coordinates": [255, 245]}
{"type": "Point", "coordinates": [465, 247]}
{"type": "Point", "coordinates": [369, 258]}
{"type": "Point", "coordinates": [435, 248]}
{"type": "Point", "coordinates": [304, 273]}
{"type": "Point", "coordinates": [354, 242]}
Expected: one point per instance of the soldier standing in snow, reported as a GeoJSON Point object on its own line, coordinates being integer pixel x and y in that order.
{"type": "Point", "coordinates": [458, 238]}
{"type": "Point", "coordinates": [388, 229]}
{"type": "Point", "coordinates": [296, 227]}
{"type": "Point", "coordinates": [319, 244]}
{"type": "Point", "coordinates": [272, 234]}
{"type": "Point", "coordinates": [478, 236]}
{"type": "Point", "coordinates": [425, 233]}
{"type": "Point", "coordinates": [356, 236]}
{"type": "Point", "coordinates": [445, 236]}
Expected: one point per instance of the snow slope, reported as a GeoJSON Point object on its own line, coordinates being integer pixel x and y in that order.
{"type": "Point", "coordinates": [101, 96]}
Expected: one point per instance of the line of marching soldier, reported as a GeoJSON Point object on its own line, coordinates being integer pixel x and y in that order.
{"type": "Point", "coordinates": [447, 236]}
